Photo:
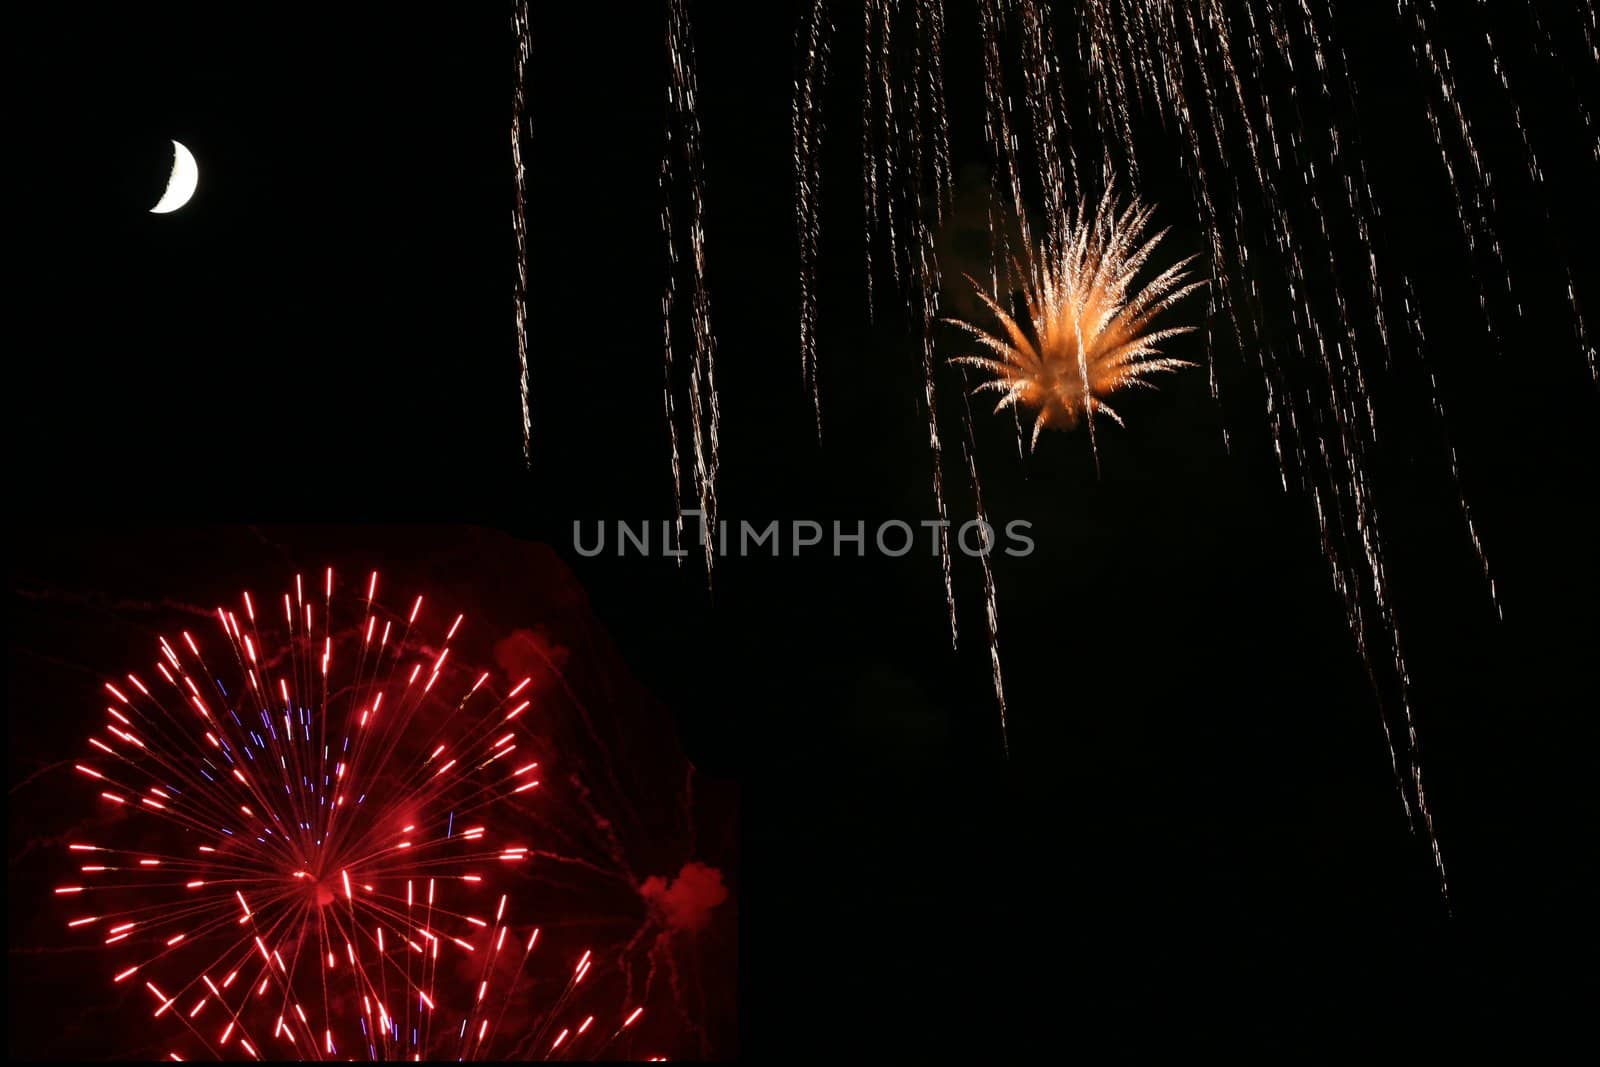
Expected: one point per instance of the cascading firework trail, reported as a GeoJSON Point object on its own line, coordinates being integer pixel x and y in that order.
{"type": "Point", "coordinates": [683, 174]}
{"type": "Point", "coordinates": [519, 220]}
{"type": "Point", "coordinates": [906, 153]}
{"type": "Point", "coordinates": [808, 132]}
{"type": "Point", "coordinates": [303, 846]}
{"type": "Point", "coordinates": [907, 189]}
{"type": "Point", "coordinates": [991, 605]}
{"type": "Point", "coordinates": [1258, 104]}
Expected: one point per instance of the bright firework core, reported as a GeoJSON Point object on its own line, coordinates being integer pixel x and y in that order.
{"type": "Point", "coordinates": [1087, 332]}
{"type": "Point", "coordinates": [318, 889]}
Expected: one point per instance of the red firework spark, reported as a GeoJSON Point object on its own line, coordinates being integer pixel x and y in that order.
{"type": "Point", "coordinates": [314, 832]}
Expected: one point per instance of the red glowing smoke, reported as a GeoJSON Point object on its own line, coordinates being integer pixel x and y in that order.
{"type": "Point", "coordinates": [531, 654]}
{"type": "Point", "coordinates": [686, 902]}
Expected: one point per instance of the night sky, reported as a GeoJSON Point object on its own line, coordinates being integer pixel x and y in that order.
{"type": "Point", "coordinates": [1196, 841]}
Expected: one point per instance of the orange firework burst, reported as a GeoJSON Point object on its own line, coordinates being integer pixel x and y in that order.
{"type": "Point", "coordinates": [306, 842]}
{"type": "Point", "coordinates": [1087, 330]}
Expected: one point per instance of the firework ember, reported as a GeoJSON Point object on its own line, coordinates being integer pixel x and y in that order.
{"type": "Point", "coordinates": [303, 852]}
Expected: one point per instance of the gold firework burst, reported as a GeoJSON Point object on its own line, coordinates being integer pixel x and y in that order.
{"type": "Point", "coordinates": [1087, 332]}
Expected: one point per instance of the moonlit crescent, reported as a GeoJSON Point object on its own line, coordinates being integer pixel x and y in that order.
{"type": "Point", "coordinates": [181, 184]}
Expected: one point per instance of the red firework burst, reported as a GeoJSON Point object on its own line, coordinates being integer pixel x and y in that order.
{"type": "Point", "coordinates": [306, 844]}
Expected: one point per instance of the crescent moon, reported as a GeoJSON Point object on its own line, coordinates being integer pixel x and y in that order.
{"type": "Point", "coordinates": [181, 183]}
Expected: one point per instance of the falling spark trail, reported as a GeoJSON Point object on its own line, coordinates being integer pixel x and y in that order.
{"type": "Point", "coordinates": [991, 607]}
{"type": "Point", "coordinates": [907, 188]}
{"type": "Point", "coordinates": [683, 172]}
{"type": "Point", "coordinates": [808, 134]}
{"type": "Point", "coordinates": [519, 221]}
{"type": "Point", "coordinates": [1536, 178]}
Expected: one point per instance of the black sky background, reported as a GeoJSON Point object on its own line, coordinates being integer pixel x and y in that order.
{"type": "Point", "coordinates": [1196, 840]}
